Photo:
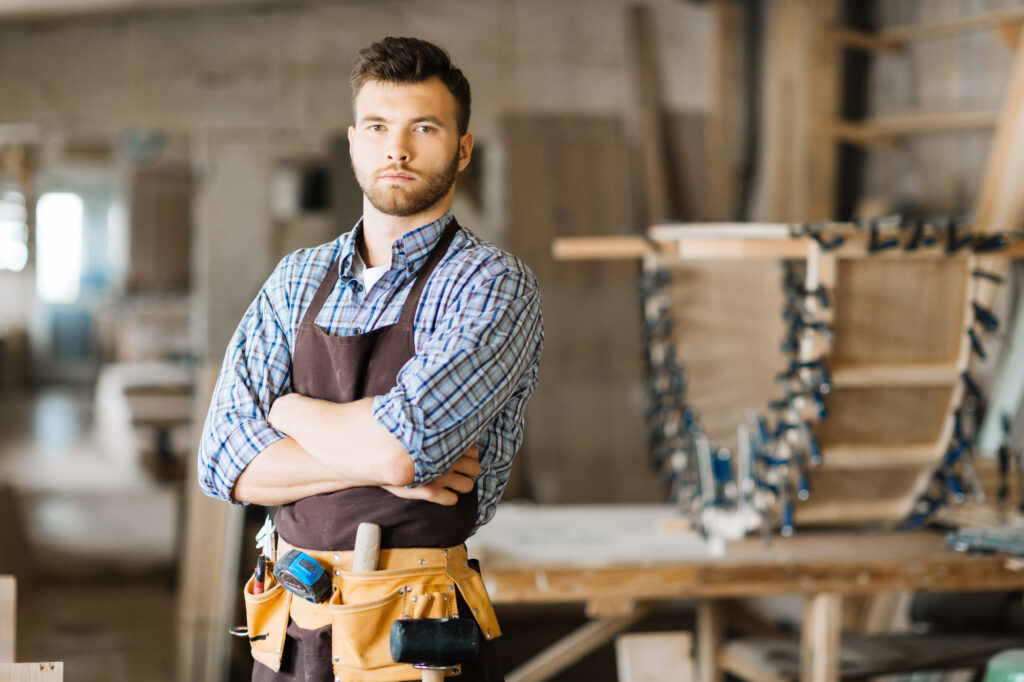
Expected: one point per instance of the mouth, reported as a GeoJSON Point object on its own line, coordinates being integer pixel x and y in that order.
{"type": "Point", "coordinates": [395, 176]}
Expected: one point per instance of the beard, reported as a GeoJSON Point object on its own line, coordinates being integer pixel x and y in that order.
{"type": "Point", "coordinates": [397, 200]}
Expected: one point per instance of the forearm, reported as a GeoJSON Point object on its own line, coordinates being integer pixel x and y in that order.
{"type": "Point", "coordinates": [284, 473]}
{"type": "Point", "coordinates": [344, 438]}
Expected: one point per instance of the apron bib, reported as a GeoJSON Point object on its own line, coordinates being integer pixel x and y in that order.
{"type": "Point", "coordinates": [344, 369]}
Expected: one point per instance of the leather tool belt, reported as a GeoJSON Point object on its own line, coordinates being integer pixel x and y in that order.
{"type": "Point", "coordinates": [409, 583]}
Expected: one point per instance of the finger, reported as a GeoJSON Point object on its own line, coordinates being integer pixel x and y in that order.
{"type": "Point", "coordinates": [457, 482]}
{"type": "Point", "coordinates": [432, 492]}
{"type": "Point", "coordinates": [473, 452]}
{"type": "Point", "coordinates": [439, 494]}
{"type": "Point", "coordinates": [466, 467]}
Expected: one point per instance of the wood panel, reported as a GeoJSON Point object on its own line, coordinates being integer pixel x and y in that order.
{"type": "Point", "coordinates": [728, 331]}
{"type": "Point", "coordinates": [584, 440]}
{"type": "Point", "coordinates": [890, 311]}
{"type": "Point", "coordinates": [797, 164]}
{"type": "Point", "coordinates": [889, 415]}
{"type": "Point", "coordinates": [866, 486]}
{"type": "Point", "coordinates": [160, 241]}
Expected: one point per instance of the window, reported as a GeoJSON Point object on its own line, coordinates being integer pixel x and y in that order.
{"type": "Point", "coordinates": [13, 230]}
{"type": "Point", "coordinates": [59, 247]}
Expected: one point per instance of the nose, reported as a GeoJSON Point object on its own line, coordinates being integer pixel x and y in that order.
{"type": "Point", "coordinates": [398, 149]}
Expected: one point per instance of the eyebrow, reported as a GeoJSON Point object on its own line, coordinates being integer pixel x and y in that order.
{"type": "Point", "coordinates": [377, 118]}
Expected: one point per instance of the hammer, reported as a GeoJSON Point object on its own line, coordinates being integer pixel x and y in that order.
{"type": "Point", "coordinates": [434, 645]}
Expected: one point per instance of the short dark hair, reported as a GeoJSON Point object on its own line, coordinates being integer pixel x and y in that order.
{"type": "Point", "coordinates": [411, 60]}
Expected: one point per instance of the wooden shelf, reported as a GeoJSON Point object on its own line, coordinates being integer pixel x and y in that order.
{"type": "Point", "coordinates": [895, 38]}
{"type": "Point", "coordinates": [864, 376]}
{"type": "Point", "coordinates": [882, 131]}
{"type": "Point", "coordinates": [879, 456]}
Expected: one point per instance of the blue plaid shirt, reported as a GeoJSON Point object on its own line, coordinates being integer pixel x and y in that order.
{"type": "Point", "coordinates": [478, 336]}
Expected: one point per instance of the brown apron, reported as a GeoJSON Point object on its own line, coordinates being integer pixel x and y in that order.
{"type": "Point", "coordinates": [343, 369]}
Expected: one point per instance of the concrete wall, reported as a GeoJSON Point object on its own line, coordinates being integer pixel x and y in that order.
{"type": "Point", "coordinates": [249, 87]}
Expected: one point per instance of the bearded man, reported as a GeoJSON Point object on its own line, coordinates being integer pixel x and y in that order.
{"type": "Point", "coordinates": [381, 377]}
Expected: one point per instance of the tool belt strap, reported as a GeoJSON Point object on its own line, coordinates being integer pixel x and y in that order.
{"type": "Point", "coordinates": [421, 574]}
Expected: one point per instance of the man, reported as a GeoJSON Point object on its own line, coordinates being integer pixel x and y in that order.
{"type": "Point", "coordinates": [380, 377]}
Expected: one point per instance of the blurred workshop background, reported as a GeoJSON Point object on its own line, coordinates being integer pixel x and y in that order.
{"type": "Point", "coordinates": [158, 157]}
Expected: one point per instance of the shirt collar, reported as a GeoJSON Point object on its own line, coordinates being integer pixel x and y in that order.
{"type": "Point", "coordinates": [407, 253]}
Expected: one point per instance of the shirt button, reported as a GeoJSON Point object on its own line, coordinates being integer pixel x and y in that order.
{"type": "Point", "coordinates": [411, 267]}
{"type": "Point", "coordinates": [357, 330]}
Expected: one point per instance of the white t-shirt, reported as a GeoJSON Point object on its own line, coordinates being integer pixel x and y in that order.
{"type": "Point", "coordinates": [366, 276]}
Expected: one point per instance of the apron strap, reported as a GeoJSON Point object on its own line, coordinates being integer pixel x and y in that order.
{"type": "Point", "coordinates": [412, 301]}
{"type": "Point", "coordinates": [325, 289]}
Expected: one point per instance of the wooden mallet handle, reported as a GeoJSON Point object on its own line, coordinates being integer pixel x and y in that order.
{"type": "Point", "coordinates": [367, 549]}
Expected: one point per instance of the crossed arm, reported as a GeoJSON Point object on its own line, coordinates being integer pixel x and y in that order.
{"type": "Point", "coordinates": [335, 446]}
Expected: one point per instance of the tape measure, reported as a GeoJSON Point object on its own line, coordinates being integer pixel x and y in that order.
{"type": "Point", "coordinates": [303, 576]}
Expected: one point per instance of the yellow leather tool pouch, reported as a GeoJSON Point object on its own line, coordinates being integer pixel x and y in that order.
{"type": "Point", "coordinates": [361, 627]}
{"type": "Point", "coordinates": [266, 616]}
{"type": "Point", "coordinates": [411, 583]}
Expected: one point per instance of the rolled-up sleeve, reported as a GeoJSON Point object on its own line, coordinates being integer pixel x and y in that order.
{"type": "Point", "coordinates": [256, 370]}
{"type": "Point", "coordinates": [477, 368]}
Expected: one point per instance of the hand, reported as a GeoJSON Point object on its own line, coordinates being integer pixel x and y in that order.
{"type": "Point", "coordinates": [444, 490]}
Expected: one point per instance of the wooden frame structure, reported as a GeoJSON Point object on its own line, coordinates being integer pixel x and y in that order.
{"type": "Point", "coordinates": [866, 476]}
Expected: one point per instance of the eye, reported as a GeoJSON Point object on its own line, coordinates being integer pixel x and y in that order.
{"type": "Point", "coordinates": [424, 128]}
{"type": "Point", "coordinates": [376, 127]}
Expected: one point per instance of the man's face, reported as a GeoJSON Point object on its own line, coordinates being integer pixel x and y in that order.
{"type": "Point", "coordinates": [405, 145]}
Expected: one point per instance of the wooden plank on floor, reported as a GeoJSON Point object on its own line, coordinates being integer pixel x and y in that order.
{"type": "Point", "coordinates": [573, 647]}
{"type": "Point", "coordinates": [209, 570]}
{"type": "Point", "coordinates": [32, 672]}
{"type": "Point", "coordinates": [8, 618]}
{"type": "Point", "coordinates": [777, 658]}
{"type": "Point", "coordinates": [654, 657]}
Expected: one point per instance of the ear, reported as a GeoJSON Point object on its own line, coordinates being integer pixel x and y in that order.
{"type": "Point", "coordinates": [351, 134]}
{"type": "Point", "coordinates": [465, 150]}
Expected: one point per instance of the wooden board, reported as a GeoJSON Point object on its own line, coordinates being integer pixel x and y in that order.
{"type": "Point", "coordinates": [728, 331]}
{"type": "Point", "coordinates": [584, 439]}
{"type": "Point", "coordinates": [31, 672]}
{"type": "Point", "coordinates": [654, 657]}
{"type": "Point", "coordinates": [209, 589]}
{"type": "Point", "coordinates": [897, 416]}
{"type": "Point", "coordinates": [797, 164]}
{"type": "Point", "coordinates": [876, 301]}
{"type": "Point", "coordinates": [8, 618]}
{"type": "Point", "coordinates": [160, 241]}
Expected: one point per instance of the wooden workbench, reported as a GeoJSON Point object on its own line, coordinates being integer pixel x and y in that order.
{"type": "Point", "coordinates": [619, 559]}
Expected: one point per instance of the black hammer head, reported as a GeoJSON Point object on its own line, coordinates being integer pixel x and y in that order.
{"type": "Point", "coordinates": [435, 642]}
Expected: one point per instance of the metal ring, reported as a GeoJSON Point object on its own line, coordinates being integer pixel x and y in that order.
{"type": "Point", "coordinates": [239, 631]}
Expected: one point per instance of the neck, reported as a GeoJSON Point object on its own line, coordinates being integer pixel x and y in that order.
{"type": "Point", "coordinates": [380, 231]}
